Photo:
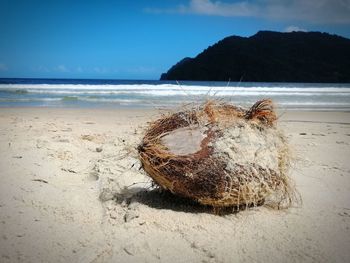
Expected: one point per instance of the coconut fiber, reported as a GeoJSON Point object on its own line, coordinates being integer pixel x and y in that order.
{"type": "Point", "coordinates": [220, 155]}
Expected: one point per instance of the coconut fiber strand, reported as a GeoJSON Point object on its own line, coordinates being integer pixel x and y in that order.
{"type": "Point", "coordinates": [220, 155]}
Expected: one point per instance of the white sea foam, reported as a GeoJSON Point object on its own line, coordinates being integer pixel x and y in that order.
{"type": "Point", "coordinates": [172, 87]}
{"type": "Point", "coordinates": [285, 95]}
{"type": "Point", "coordinates": [28, 99]}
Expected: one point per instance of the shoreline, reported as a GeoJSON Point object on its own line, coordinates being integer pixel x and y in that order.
{"type": "Point", "coordinates": [60, 169]}
{"type": "Point", "coordinates": [279, 110]}
{"type": "Point", "coordinates": [285, 116]}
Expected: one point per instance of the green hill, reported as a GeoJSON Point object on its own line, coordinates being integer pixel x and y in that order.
{"type": "Point", "coordinates": [270, 57]}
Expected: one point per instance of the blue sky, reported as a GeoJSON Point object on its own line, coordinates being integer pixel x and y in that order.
{"type": "Point", "coordinates": [141, 39]}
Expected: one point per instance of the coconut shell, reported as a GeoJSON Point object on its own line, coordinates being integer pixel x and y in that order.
{"type": "Point", "coordinates": [220, 155]}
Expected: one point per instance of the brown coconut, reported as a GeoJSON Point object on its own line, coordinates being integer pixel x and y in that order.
{"type": "Point", "coordinates": [220, 155]}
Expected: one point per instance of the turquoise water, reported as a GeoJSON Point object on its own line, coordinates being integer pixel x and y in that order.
{"type": "Point", "coordinates": [154, 94]}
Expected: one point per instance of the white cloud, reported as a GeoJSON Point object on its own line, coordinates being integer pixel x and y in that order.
{"type": "Point", "coordinates": [207, 7]}
{"type": "Point", "coordinates": [61, 68]}
{"type": "Point", "coordinates": [314, 11]}
{"type": "Point", "coordinates": [294, 29]}
{"type": "Point", "coordinates": [141, 69]}
{"type": "Point", "coordinates": [101, 70]}
{"type": "Point", "coordinates": [3, 67]}
{"type": "Point", "coordinates": [40, 69]}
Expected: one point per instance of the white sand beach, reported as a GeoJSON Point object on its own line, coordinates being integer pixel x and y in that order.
{"type": "Point", "coordinates": [71, 190]}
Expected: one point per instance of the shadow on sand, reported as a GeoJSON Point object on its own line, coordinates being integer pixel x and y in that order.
{"type": "Point", "coordinates": [166, 200]}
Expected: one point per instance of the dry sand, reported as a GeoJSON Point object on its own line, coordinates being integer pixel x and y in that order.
{"type": "Point", "coordinates": [71, 191]}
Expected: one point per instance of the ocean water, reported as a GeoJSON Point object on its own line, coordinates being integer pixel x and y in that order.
{"type": "Point", "coordinates": [70, 93]}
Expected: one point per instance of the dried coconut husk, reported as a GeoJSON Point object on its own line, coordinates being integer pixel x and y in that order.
{"type": "Point", "coordinates": [220, 155]}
